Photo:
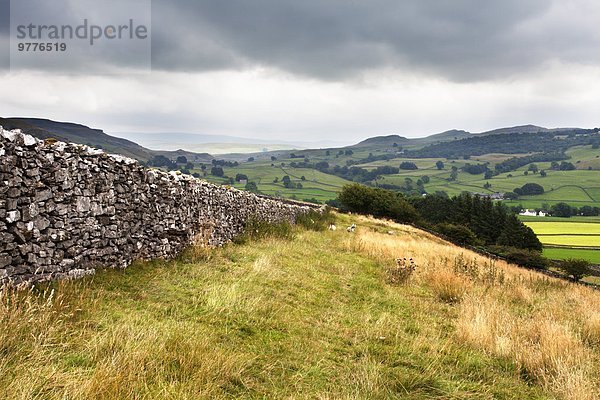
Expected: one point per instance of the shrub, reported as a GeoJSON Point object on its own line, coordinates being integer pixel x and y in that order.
{"type": "Point", "coordinates": [256, 229]}
{"type": "Point", "coordinates": [457, 233]}
{"type": "Point", "coordinates": [217, 171]}
{"type": "Point", "coordinates": [315, 220]}
{"type": "Point", "coordinates": [449, 287]}
{"type": "Point", "coordinates": [408, 165]}
{"type": "Point", "coordinates": [522, 257]}
{"type": "Point", "coordinates": [529, 189]}
{"type": "Point", "coordinates": [377, 202]}
{"type": "Point", "coordinates": [577, 268]}
{"type": "Point", "coordinates": [516, 234]}
{"type": "Point", "coordinates": [400, 272]}
{"type": "Point", "coordinates": [591, 329]}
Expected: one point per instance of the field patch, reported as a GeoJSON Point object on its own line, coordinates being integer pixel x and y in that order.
{"type": "Point", "coordinates": [564, 228]}
{"type": "Point", "coordinates": [571, 240]}
{"type": "Point", "coordinates": [577, 237]}
{"type": "Point", "coordinates": [554, 253]}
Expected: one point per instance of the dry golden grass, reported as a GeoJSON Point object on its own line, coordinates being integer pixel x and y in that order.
{"type": "Point", "coordinates": [312, 317]}
{"type": "Point", "coordinates": [591, 327]}
{"type": "Point", "coordinates": [448, 286]}
{"type": "Point", "coordinates": [549, 328]}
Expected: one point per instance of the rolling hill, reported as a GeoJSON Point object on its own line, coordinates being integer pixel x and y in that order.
{"type": "Point", "coordinates": [81, 134]}
{"type": "Point", "coordinates": [267, 169]}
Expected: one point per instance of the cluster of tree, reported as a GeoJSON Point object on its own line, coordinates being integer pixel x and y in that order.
{"type": "Point", "coordinates": [515, 163]}
{"type": "Point", "coordinates": [377, 202]}
{"type": "Point", "coordinates": [251, 187]}
{"type": "Point", "coordinates": [529, 189]}
{"type": "Point", "coordinates": [409, 187]}
{"type": "Point", "coordinates": [322, 166]}
{"type": "Point", "coordinates": [510, 143]}
{"type": "Point", "coordinates": [287, 182]}
{"type": "Point", "coordinates": [161, 161]}
{"type": "Point", "coordinates": [217, 171]}
{"type": "Point", "coordinates": [565, 210]}
{"type": "Point", "coordinates": [476, 169]}
{"type": "Point", "coordinates": [563, 166]}
{"type": "Point", "coordinates": [293, 155]}
{"type": "Point", "coordinates": [301, 164]}
{"type": "Point", "coordinates": [491, 222]}
{"type": "Point", "coordinates": [467, 219]}
{"type": "Point", "coordinates": [241, 177]}
{"type": "Point", "coordinates": [224, 163]}
{"type": "Point", "coordinates": [358, 174]}
{"type": "Point", "coordinates": [372, 158]}
{"type": "Point", "coordinates": [408, 165]}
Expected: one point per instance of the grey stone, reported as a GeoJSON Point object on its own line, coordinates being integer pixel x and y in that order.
{"type": "Point", "coordinates": [66, 200]}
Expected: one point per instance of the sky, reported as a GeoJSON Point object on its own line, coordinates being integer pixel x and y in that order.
{"type": "Point", "coordinates": [340, 70]}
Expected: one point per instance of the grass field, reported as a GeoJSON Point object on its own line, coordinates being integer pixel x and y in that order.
{"type": "Point", "coordinates": [565, 228]}
{"type": "Point", "coordinates": [313, 316]}
{"type": "Point", "coordinates": [316, 184]}
{"type": "Point", "coordinates": [578, 219]}
{"type": "Point", "coordinates": [585, 157]}
{"type": "Point", "coordinates": [592, 256]}
{"type": "Point", "coordinates": [563, 238]}
{"type": "Point", "coordinates": [578, 188]}
{"type": "Point", "coordinates": [571, 240]}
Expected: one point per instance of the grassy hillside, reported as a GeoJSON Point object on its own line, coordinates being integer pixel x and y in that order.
{"type": "Point", "coordinates": [579, 187]}
{"type": "Point", "coordinates": [75, 133]}
{"type": "Point", "coordinates": [309, 315]}
{"type": "Point", "coordinates": [316, 185]}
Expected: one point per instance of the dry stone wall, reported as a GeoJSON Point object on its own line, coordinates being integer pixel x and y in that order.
{"type": "Point", "coordinates": [67, 209]}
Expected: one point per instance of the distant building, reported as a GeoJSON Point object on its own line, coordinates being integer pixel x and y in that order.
{"type": "Point", "coordinates": [533, 213]}
{"type": "Point", "coordinates": [528, 213]}
{"type": "Point", "coordinates": [493, 196]}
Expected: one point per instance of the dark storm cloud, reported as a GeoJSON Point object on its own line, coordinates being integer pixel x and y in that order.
{"type": "Point", "coordinates": [4, 31]}
{"type": "Point", "coordinates": [333, 39]}
{"type": "Point", "coordinates": [461, 40]}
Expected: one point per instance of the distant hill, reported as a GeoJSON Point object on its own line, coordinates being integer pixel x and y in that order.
{"type": "Point", "coordinates": [452, 135]}
{"type": "Point", "coordinates": [383, 141]}
{"type": "Point", "coordinates": [508, 143]}
{"type": "Point", "coordinates": [76, 133]}
{"type": "Point", "coordinates": [524, 129]}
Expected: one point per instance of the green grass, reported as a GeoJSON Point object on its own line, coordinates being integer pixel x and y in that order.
{"type": "Point", "coordinates": [579, 219]}
{"type": "Point", "coordinates": [564, 228]}
{"type": "Point", "coordinates": [567, 237]}
{"type": "Point", "coordinates": [533, 204]}
{"type": "Point", "coordinates": [578, 188]}
{"type": "Point", "coordinates": [316, 185]}
{"type": "Point", "coordinates": [563, 254]}
{"type": "Point", "coordinates": [276, 318]}
{"type": "Point", "coordinates": [584, 157]}
{"type": "Point", "coordinates": [571, 240]}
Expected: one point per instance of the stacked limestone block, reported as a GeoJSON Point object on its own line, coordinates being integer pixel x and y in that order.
{"type": "Point", "coordinates": [67, 209]}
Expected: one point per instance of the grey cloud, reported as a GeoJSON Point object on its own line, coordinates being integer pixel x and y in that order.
{"type": "Point", "coordinates": [334, 39]}
{"type": "Point", "coordinates": [460, 40]}
{"type": "Point", "coordinates": [4, 32]}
